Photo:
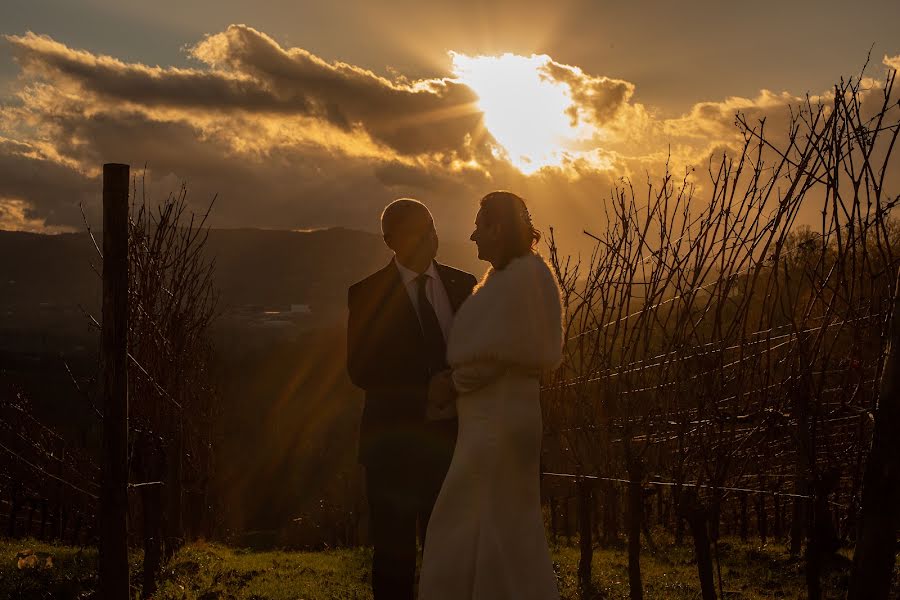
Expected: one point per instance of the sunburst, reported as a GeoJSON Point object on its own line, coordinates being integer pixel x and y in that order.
{"type": "Point", "coordinates": [527, 112]}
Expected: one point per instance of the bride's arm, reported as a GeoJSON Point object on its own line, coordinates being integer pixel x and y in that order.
{"type": "Point", "coordinates": [475, 375]}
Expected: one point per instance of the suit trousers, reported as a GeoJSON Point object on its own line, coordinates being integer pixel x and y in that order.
{"type": "Point", "coordinates": [401, 495]}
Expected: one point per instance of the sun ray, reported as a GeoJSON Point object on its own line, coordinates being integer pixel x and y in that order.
{"type": "Point", "coordinates": [527, 112]}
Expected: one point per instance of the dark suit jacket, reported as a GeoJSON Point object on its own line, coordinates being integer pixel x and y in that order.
{"type": "Point", "coordinates": [386, 358]}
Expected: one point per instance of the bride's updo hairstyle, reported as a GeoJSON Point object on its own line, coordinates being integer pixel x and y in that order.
{"type": "Point", "coordinates": [509, 210]}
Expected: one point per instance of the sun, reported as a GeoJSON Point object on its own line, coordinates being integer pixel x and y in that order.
{"type": "Point", "coordinates": [524, 109]}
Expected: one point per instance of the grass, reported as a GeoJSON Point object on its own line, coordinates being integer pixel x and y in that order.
{"type": "Point", "coordinates": [212, 571]}
{"type": "Point", "coordinates": [749, 572]}
{"type": "Point", "coordinates": [208, 571]}
{"type": "Point", "coordinates": [72, 575]}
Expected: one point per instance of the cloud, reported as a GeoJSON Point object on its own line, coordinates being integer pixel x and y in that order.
{"type": "Point", "coordinates": [37, 191]}
{"type": "Point", "coordinates": [250, 73]}
{"type": "Point", "coordinates": [289, 140]}
{"type": "Point", "coordinates": [596, 100]}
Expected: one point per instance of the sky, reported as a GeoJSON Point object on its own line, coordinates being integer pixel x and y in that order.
{"type": "Point", "coordinates": [300, 115]}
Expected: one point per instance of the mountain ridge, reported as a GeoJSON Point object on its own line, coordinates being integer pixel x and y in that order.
{"type": "Point", "coordinates": [259, 267]}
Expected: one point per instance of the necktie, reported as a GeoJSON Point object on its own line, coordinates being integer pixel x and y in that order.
{"type": "Point", "coordinates": [435, 346]}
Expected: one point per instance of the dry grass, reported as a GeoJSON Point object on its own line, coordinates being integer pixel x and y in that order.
{"type": "Point", "coordinates": [207, 571]}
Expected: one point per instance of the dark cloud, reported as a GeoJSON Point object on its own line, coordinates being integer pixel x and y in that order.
{"type": "Point", "coordinates": [427, 116]}
{"type": "Point", "coordinates": [114, 80]}
{"type": "Point", "coordinates": [41, 189]}
{"type": "Point", "coordinates": [292, 187]}
{"type": "Point", "coordinates": [251, 72]}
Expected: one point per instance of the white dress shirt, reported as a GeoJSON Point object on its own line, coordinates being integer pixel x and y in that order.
{"type": "Point", "coordinates": [434, 291]}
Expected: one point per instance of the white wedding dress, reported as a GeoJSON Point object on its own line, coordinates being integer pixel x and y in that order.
{"type": "Point", "coordinates": [486, 538]}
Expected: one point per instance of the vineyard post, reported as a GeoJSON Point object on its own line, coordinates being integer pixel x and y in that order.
{"type": "Point", "coordinates": [114, 353]}
{"type": "Point", "coordinates": [586, 543]}
{"type": "Point", "coordinates": [874, 558]}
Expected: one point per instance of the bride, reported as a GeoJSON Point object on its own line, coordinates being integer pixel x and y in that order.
{"type": "Point", "coordinates": [486, 539]}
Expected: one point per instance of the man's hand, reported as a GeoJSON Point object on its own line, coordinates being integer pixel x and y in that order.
{"type": "Point", "coordinates": [441, 397]}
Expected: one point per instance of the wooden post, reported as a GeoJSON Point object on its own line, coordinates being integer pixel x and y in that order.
{"type": "Point", "coordinates": [761, 514]}
{"type": "Point", "coordinates": [13, 509]}
{"type": "Point", "coordinates": [32, 506]}
{"type": "Point", "coordinates": [804, 468]}
{"type": "Point", "coordinates": [679, 520]}
{"type": "Point", "coordinates": [697, 517]}
{"type": "Point", "coordinates": [63, 521]}
{"type": "Point", "coordinates": [174, 522]}
{"type": "Point", "coordinates": [645, 521]}
{"type": "Point", "coordinates": [823, 540]}
{"type": "Point", "coordinates": [635, 502]}
{"type": "Point", "coordinates": [53, 521]}
{"type": "Point", "coordinates": [113, 512]}
{"type": "Point", "coordinates": [585, 501]}
{"type": "Point", "coordinates": [715, 515]}
{"type": "Point", "coordinates": [60, 495]}
{"type": "Point", "coordinates": [660, 506]}
{"type": "Point", "coordinates": [76, 531]}
{"type": "Point", "coordinates": [43, 518]}
{"type": "Point", "coordinates": [610, 514]}
{"type": "Point", "coordinates": [744, 527]}
{"type": "Point", "coordinates": [777, 528]}
{"type": "Point", "coordinates": [553, 518]}
{"type": "Point", "coordinates": [151, 505]}
{"type": "Point", "coordinates": [876, 543]}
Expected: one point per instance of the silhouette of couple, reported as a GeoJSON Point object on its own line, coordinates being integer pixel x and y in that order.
{"type": "Point", "coordinates": [451, 430]}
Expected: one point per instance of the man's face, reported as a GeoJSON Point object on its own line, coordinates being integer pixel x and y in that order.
{"type": "Point", "coordinates": [414, 240]}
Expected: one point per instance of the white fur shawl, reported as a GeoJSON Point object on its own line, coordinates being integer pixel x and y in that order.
{"type": "Point", "coordinates": [513, 316]}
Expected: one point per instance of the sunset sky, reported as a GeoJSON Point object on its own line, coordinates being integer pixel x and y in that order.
{"type": "Point", "coordinates": [303, 115]}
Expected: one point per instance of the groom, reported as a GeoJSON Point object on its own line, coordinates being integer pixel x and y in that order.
{"type": "Point", "coordinates": [399, 321]}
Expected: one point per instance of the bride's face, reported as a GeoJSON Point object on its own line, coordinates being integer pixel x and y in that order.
{"type": "Point", "coordinates": [486, 238]}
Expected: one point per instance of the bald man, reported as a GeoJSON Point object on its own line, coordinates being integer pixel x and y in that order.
{"type": "Point", "coordinates": [399, 321]}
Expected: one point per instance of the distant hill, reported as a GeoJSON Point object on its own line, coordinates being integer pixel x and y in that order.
{"type": "Point", "coordinates": [44, 278]}
{"type": "Point", "coordinates": [283, 267]}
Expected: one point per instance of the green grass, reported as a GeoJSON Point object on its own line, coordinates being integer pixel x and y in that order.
{"type": "Point", "coordinates": [207, 571]}
{"type": "Point", "coordinates": [72, 575]}
{"type": "Point", "coordinates": [749, 572]}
